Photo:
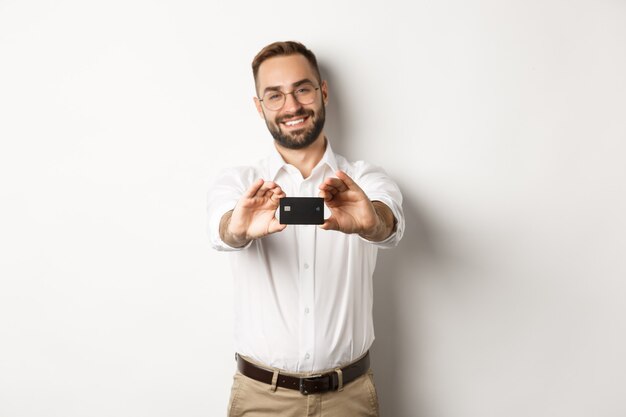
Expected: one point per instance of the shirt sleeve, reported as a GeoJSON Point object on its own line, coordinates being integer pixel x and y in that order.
{"type": "Point", "coordinates": [378, 186]}
{"type": "Point", "coordinates": [223, 195]}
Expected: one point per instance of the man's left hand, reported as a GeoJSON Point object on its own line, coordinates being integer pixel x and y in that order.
{"type": "Point", "coordinates": [352, 211]}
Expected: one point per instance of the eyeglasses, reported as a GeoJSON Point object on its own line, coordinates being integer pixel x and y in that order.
{"type": "Point", "coordinates": [275, 100]}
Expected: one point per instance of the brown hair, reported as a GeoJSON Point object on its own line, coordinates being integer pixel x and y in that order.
{"type": "Point", "coordinates": [284, 49]}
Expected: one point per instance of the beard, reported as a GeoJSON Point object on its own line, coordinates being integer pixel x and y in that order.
{"type": "Point", "coordinates": [301, 138]}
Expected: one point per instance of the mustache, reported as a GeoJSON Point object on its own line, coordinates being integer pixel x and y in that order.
{"type": "Point", "coordinates": [301, 112]}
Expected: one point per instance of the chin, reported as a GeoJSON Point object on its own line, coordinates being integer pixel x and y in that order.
{"type": "Point", "coordinates": [294, 145]}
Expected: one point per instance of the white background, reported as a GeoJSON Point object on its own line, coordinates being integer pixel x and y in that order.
{"type": "Point", "coordinates": [503, 122]}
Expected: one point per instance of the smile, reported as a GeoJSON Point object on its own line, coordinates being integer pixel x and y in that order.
{"type": "Point", "coordinates": [295, 122]}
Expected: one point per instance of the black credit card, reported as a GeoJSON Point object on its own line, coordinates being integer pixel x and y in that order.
{"type": "Point", "coordinates": [301, 210]}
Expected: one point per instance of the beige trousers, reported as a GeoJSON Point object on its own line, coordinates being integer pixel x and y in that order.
{"type": "Point", "coordinates": [251, 398]}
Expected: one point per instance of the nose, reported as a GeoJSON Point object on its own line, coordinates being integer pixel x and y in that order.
{"type": "Point", "coordinates": [291, 104]}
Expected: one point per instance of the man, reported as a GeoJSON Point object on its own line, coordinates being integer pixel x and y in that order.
{"type": "Point", "coordinates": [303, 294]}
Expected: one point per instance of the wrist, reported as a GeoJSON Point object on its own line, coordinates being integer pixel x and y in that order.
{"type": "Point", "coordinates": [384, 226]}
{"type": "Point", "coordinates": [236, 240]}
{"type": "Point", "coordinates": [373, 233]}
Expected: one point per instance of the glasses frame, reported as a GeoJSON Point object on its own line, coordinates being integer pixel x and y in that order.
{"type": "Point", "coordinates": [285, 98]}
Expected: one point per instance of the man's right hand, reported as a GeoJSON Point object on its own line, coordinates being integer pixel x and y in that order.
{"type": "Point", "coordinates": [254, 216]}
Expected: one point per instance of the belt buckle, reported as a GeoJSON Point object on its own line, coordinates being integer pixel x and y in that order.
{"type": "Point", "coordinates": [313, 379]}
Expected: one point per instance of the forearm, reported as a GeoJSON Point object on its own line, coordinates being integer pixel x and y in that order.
{"type": "Point", "coordinates": [385, 226]}
{"type": "Point", "coordinates": [228, 237]}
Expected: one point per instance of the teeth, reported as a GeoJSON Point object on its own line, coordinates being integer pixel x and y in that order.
{"type": "Point", "coordinates": [294, 122]}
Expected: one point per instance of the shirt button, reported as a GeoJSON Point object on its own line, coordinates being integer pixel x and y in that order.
{"type": "Point", "coordinates": [306, 266]}
{"type": "Point", "coordinates": [307, 356]}
{"type": "Point", "coordinates": [306, 310]}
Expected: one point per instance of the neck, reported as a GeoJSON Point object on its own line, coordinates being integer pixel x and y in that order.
{"type": "Point", "coordinates": [304, 159]}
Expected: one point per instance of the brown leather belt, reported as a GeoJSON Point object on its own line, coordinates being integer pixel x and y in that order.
{"type": "Point", "coordinates": [330, 381]}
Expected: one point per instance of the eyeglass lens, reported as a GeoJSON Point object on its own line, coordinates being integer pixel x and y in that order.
{"type": "Point", "coordinates": [304, 94]}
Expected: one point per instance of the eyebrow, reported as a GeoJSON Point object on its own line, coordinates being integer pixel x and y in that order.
{"type": "Point", "coordinates": [294, 85]}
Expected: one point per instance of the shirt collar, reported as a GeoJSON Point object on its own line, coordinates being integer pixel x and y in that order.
{"type": "Point", "coordinates": [276, 162]}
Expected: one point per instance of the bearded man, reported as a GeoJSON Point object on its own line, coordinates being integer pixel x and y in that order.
{"type": "Point", "coordinates": [303, 293]}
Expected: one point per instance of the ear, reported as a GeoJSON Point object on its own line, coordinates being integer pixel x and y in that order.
{"type": "Point", "coordinates": [259, 107]}
{"type": "Point", "coordinates": [324, 88]}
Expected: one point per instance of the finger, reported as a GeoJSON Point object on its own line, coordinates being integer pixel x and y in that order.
{"type": "Point", "coordinates": [277, 194]}
{"type": "Point", "coordinates": [329, 187]}
{"type": "Point", "coordinates": [254, 188]}
{"type": "Point", "coordinates": [267, 195]}
{"type": "Point", "coordinates": [328, 196]}
{"type": "Point", "coordinates": [349, 182]}
{"type": "Point", "coordinates": [277, 190]}
{"type": "Point", "coordinates": [266, 189]}
{"type": "Point", "coordinates": [335, 183]}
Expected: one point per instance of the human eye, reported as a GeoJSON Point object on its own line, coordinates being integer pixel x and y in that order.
{"type": "Point", "coordinates": [274, 96]}
{"type": "Point", "coordinates": [304, 89]}
{"type": "Point", "coordinates": [304, 92]}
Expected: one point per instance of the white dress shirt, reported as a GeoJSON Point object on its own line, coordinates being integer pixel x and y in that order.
{"type": "Point", "coordinates": [303, 296]}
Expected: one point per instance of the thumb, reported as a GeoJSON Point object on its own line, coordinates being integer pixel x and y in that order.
{"type": "Point", "coordinates": [275, 226]}
{"type": "Point", "coordinates": [330, 224]}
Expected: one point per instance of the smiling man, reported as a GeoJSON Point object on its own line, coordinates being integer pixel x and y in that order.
{"type": "Point", "coordinates": [303, 126]}
{"type": "Point", "coordinates": [303, 293]}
